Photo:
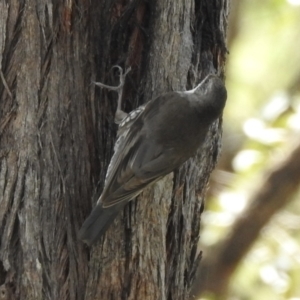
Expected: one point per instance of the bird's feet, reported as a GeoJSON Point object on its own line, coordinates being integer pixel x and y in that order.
{"type": "Point", "coordinates": [120, 114]}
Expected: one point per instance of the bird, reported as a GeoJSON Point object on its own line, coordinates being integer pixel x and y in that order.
{"type": "Point", "coordinates": [152, 141]}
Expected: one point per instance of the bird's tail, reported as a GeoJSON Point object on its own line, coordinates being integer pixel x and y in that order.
{"type": "Point", "coordinates": [97, 223]}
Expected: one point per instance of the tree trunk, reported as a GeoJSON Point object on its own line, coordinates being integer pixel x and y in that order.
{"type": "Point", "coordinates": [57, 136]}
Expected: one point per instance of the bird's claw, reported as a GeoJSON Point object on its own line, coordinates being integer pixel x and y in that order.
{"type": "Point", "coordinates": [120, 115]}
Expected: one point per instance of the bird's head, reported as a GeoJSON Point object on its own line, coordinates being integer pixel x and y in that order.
{"type": "Point", "coordinates": [211, 84]}
{"type": "Point", "coordinates": [210, 95]}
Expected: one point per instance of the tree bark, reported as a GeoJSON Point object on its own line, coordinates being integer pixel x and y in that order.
{"type": "Point", "coordinates": [57, 136]}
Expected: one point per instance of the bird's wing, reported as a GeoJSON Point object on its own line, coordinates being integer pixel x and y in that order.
{"type": "Point", "coordinates": [136, 163]}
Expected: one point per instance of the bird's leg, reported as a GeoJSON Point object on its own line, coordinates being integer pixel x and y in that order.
{"type": "Point", "coordinates": [120, 114]}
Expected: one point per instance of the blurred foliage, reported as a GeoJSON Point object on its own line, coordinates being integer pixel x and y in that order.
{"type": "Point", "coordinates": [261, 120]}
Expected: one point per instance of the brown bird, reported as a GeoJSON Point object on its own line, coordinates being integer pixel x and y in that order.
{"type": "Point", "coordinates": [152, 141]}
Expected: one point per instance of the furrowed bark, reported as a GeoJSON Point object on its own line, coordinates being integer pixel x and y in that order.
{"type": "Point", "coordinates": [57, 136]}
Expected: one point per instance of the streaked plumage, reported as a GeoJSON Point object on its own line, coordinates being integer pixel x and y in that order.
{"type": "Point", "coordinates": [152, 141]}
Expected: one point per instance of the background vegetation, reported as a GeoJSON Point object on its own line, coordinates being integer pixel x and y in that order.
{"type": "Point", "coordinates": [261, 127]}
